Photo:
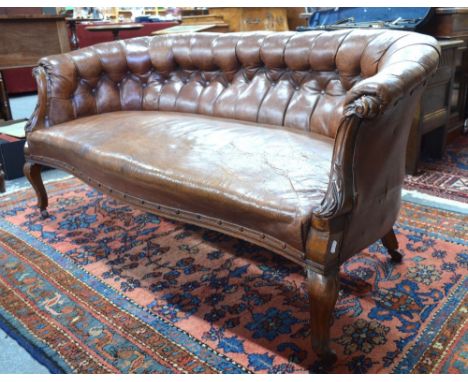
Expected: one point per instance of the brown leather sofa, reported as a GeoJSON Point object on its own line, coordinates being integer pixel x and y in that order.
{"type": "Point", "coordinates": [292, 141]}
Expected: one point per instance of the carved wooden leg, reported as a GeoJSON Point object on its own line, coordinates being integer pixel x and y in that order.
{"type": "Point", "coordinates": [391, 243]}
{"type": "Point", "coordinates": [323, 293]}
{"type": "Point", "coordinates": [32, 171]}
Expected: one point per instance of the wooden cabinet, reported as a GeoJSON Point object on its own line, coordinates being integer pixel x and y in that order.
{"type": "Point", "coordinates": [451, 24]}
{"type": "Point", "coordinates": [25, 39]}
{"type": "Point", "coordinates": [443, 113]}
{"type": "Point", "coordinates": [252, 19]}
{"type": "Point", "coordinates": [212, 23]}
{"type": "Point", "coordinates": [431, 122]}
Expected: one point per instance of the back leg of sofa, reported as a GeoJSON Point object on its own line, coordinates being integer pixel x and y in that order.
{"type": "Point", "coordinates": [323, 293]}
{"type": "Point", "coordinates": [32, 171]}
{"type": "Point", "coordinates": [391, 243]}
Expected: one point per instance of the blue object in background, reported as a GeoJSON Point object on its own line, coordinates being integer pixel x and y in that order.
{"type": "Point", "coordinates": [143, 19]}
{"type": "Point", "coordinates": [411, 18]}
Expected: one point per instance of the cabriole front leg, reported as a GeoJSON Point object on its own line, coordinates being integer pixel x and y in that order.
{"type": "Point", "coordinates": [323, 293]}
{"type": "Point", "coordinates": [322, 266]}
{"type": "Point", "coordinates": [32, 171]}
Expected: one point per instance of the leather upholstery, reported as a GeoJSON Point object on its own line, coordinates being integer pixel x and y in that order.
{"type": "Point", "coordinates": [355, 88]}
{"type": "Point", "coordinates": [300, 80]}
{"type": "Point", "coordinates": [257, 176]}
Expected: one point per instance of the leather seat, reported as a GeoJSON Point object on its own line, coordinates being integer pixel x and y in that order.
{"type": "Point", "coordinates": [263, 177]}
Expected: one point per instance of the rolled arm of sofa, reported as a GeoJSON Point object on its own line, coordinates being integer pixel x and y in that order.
{"type": "Point", "coordinates": [398, 74]}
{"type": "Point", "coordinates": [38, 118]}
{"type": "Point", "coordinates": [55, 78]}
{"type": "Point", "coordinates": [371, 103]}
{"type": "Point", "coordinates": [98, 79]}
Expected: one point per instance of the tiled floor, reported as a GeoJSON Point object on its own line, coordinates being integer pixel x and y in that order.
{"type": "Point", "coordinates": [22, 106]}
{"type": "Point", "coordinates": [15, 360]}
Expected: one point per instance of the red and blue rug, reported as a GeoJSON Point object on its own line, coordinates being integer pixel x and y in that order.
{"type": "Point", "coordinates": [100, 287]}
{"type": "Point", "coordinates": [447, 177]}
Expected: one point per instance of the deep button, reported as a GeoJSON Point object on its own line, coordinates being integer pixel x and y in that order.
{"type": "Point", "coordinates": [273, 83]}
{"type": "Point", "coordinates": [296, 87]}
{"type": "Point", "coordinates": [322, 92]}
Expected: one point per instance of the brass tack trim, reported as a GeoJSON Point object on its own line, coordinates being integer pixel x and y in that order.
{"type": "Point", "coordinates": [270, 242]}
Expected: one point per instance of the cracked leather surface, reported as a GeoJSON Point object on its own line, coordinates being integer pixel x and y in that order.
{"type": "Point", "coordinates": [258, 176]}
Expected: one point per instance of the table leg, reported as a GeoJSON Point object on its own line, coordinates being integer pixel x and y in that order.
{"type": "Point", "coordinates": [2, 179]}
{"type": "Point", "coordinates": [5, 111]}
{"type": "Point", "coordinates": [75, 44]}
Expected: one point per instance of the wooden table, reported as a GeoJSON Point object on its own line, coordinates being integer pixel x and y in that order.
{"type": "Point", "coordinates": [114, 28]}
{"type": "Point", "coordinates": [75, 42]}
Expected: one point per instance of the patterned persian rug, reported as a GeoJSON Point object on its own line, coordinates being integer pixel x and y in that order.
{"type": "Point", "coordinates": [101, 287]}
{"type": "Point", "coordinates": [446, 178]}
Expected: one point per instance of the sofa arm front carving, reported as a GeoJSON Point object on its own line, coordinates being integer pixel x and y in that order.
{"type": "Point", "coordinates": [38, 118]}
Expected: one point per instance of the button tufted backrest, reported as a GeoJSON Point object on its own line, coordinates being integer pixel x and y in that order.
{"type": "Point", "coordinates": [297, 80]}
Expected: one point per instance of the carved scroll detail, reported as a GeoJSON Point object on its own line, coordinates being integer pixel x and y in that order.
{"type": "Point", "coordinates": [333, 199]}
{"type": "Point", "coordinates": [339, 197]}
{"type": "Point", "coordinates": [365, 107]}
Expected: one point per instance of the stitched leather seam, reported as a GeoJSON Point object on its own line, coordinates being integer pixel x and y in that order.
{"type": "Point", "coordinates": [388, 48]}
{"type": "Point", "coordinates": [293, 93]}
{"type": "Point", "coordinates": [363, 51]}
{"type": "Point", "coordinates": [339, 46]}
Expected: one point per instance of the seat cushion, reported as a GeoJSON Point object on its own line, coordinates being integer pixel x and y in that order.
{"type": "Point", "coordinates": [262, 177]}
